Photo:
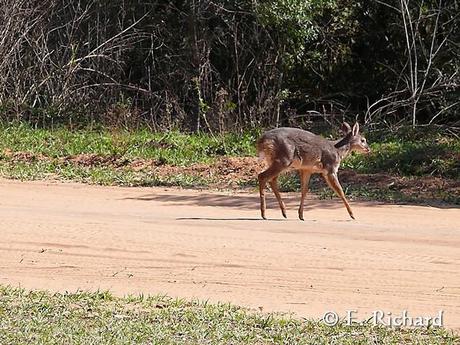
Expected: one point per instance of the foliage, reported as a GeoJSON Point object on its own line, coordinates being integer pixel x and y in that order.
{"type": "Point", "coordinates": [225, 65]}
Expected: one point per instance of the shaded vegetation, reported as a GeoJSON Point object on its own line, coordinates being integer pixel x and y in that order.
{"type": "Point", "coordinates": [410, 152]}
{"type": "Point", "coordinates": [221, 65]}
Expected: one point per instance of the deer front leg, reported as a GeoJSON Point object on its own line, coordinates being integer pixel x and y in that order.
{"type": "Point", "coordinates": [333, 182]}
{"type": "Point", "coordinates": [304, 181]}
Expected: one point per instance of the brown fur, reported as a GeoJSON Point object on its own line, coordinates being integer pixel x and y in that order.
{"type": "Point", "coordinates": [266, 150]}
{"type": "Point", "coordinates": [292, 148]}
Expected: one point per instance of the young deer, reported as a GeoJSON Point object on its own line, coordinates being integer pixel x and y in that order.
{"type": "Point", "coordinates": [292, 148]}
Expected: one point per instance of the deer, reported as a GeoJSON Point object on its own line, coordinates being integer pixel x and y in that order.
{"type": "Point", "coordinates": [287, 148]}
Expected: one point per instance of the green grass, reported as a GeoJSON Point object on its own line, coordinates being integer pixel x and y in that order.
{"type": "Point", "coordinates": [423, 153]}
{"type": "Point", "coordinates": [173, 148]}
{"type": "Point", "coordinates": [434, 156]}
{"type": "Point", "coordinates": [96, 175]}
{"type": "Point", "coordinates": [100, 318]}
{"type": "Point", "coordinates": [362, 191]}
{"type": "Point", "coordinates": [412, 152]}
{"type": "Point", "coordinates": [408, 153]}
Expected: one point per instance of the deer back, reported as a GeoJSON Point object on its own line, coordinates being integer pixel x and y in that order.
{"type": "Point", "coordinates": [298, 149]}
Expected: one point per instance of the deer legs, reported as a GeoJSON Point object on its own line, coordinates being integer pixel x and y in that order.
{"type": "Point", "coordinates": [270, 175]}
{"type": "Point", "coordinates": [304, 180]}
{"type": "Point", "coordinates": [333, 182]}
{"type": "Point", "coordinates": [275, 189]}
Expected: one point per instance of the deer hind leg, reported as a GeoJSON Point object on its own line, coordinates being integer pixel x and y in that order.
{"type": "Point", "coordinates": [304, 181]}
{"type": "Point", "coordinates": [274, 185]}
{"type": "Point", "coordinates": [270, 175]}
{"type": "Point", "coordinates": [333, 182]}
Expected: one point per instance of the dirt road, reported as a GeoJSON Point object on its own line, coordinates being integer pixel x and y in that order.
{"type": "Point", "coordinates": [213, 246]}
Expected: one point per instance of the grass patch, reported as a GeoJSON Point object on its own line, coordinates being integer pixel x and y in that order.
{"type": "Point", "coordinates": [100, 318]}
{"type": "Point", "coordinates": [44, 149]}
{"type": "Point", "coordinates": [172, 148]}
{"type": "Point", "coordinates": [411, 190]}
{"type": "Point", "coordinates": [410, 153]}
{"type": "Point", "coordinates": [27, 153]}
{"type": "Point", "coordinates": [106, 176]}
{"type": "Point", "coordinates": [411, 156]}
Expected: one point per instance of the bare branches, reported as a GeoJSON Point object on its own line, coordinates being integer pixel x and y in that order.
{"type": "Point", "coordinates": [55, 53]}
{"type": "Point", "coordinates": [218, 65]}
{"type": "Point", "coordinates": [429, 79]}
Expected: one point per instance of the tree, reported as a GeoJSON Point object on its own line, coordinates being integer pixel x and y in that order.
{"type": "Point", "coordinates": [426, 76]}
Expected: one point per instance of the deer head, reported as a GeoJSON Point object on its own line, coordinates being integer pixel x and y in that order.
{"type": "Point", "coordinates": [353, 138]}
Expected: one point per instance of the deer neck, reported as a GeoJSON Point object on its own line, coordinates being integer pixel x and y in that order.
{"type": "Point", "coordinates": [343, 147]}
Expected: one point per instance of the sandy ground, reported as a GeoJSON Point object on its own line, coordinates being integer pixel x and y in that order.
{"type": "Point", "coordinates": [213, 246]}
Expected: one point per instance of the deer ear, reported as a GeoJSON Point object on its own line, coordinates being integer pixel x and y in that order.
{"type": "Point", "coordinates": [355, 130]}
{"type": "Point", "coordinates": [345, 128]}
